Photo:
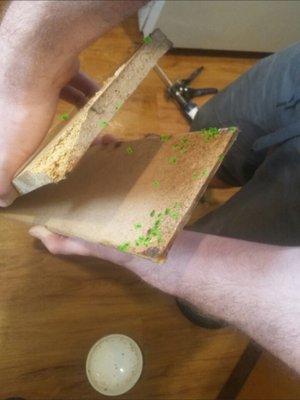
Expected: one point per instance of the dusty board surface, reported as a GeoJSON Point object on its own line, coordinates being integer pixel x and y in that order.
{"type": "Point", "coordinates": [134, 197]}
{"type": "Point", "coordinates": [59, 157]}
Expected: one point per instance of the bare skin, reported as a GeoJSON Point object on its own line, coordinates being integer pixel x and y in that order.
{"type": "Point", "coordinates": [255, 287]}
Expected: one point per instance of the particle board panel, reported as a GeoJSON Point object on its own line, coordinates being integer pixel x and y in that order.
{"type": "Point", "coordinates": [53, 162]}
{"type": "Point", "coordinates": [135, 196]}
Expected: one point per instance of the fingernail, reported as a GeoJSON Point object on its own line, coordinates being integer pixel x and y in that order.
{"type": "Point", "coordinates": [39, 232]}
{"type": "Point", "coordinates": [9, 198]}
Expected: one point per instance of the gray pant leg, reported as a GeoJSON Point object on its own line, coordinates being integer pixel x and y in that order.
{"type": "Point", "coordinates": [261, 101]}
{"type": "Point", "coordinates": [265, 99]}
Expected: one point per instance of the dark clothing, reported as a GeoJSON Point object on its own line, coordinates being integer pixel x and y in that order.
{"type": "Point", "coordinates": [265, 159]}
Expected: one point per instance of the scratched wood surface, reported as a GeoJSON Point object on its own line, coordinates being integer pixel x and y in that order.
{"type": "Point", "coordinates": [52, 309]}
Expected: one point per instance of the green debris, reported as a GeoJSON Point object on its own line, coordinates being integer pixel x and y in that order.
{"type": "Point", "coordinates": [154, 233]}
{"type": "Point", "coordinates": [209, 133]}
{"type": "Point", "coordinates": [155, 183]}
{"type": "Point", "coordinates": [129, 150]}
{"type": "Point", "coordinates": [182, 146]}
{"type": "Point", "coordinates": [64, 116]}
{"type": "Point", "coordinates": [103, 123]}
{"type": "Point", "coordinates": [137, 225]}
{"type": "Point", "coordinates": [165, 138]}
{"type": "Point", "coordinates": [147, 39]}
{"type": "Point", "coordinates": [177, 205]}
{"type": "Point", "coordinates": [172, 160]}
{"type": "Point", "coordinates": [199, 175]}
{"type": "Point", "coordinates": [174, 215]}
{"type": "Point", "coordinates": [221, 157]}
{"type": "Point", "coordinates": [124, 247]}
{"type": "Point", "coordinates": [119, 105]}
{"type": "Point", "coordinates": [232, 129]}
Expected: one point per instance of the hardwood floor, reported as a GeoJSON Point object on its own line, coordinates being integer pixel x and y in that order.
{"type": "Point", "coordinates": [52, 309]}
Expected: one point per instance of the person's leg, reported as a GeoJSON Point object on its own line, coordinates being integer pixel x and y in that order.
{"type": "Point", "coordinates": [267, 208]}
{"type": "Point", "coordinates": [261, 101]}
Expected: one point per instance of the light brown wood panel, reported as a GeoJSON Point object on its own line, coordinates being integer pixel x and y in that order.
{"type": "Point", "coordinates": [52, 309]}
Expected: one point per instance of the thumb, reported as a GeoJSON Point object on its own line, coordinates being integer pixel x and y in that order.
{"type": "Point", "coordinates": [7, 191]}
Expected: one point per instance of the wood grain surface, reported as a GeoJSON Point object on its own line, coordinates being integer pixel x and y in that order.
{"type": "Point", "coordinates": [52, 309]}
{"type": "Point", "coordinates": [135, 196]}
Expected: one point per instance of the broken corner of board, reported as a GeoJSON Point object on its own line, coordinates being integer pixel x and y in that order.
{"type": "Point", "coordinates": [135, 197]}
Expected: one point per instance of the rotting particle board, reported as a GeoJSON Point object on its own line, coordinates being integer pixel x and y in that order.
{"type": "Point", "coordinates": [52, 163]}
{"type": "Point", "coordinates": [135, 197]}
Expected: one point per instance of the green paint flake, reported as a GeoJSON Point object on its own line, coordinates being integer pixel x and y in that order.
{"type": "Point", "coordinates": [154, 234]}
{"type": "Point", "coordinates": [64, 116]}
{"type": "Point", "coordinates": [119, 105]}
{"type": "Point", "coordinates": [103, 123]}
{"type": "Point", "coordinates": [200, 175]}
{"type": "Point", "coordinates": [165, 138]}
{"type": "Point", "coordinates": [137, 225]}
{"type": "Point", "coordinates": [155, 183]}
{"type": "Point", "coordinates": [172, 160]}
{"type": "Point", "coordinates": [129, 150]}
{"type": "Point", "coordinates": [124, 247]}
{"type": "Point", "coordinates": [232, 129]}
{"type": "Point", "coordinates": [147, 39]}
{"type": "Point", "coordinates": [182, 146]}
{"type": "Point", "coordinates": [209, 133]}
{"type": "Point", "coordinates": [177, 205]}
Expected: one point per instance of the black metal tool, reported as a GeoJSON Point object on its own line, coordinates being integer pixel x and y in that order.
{"type": "Point", "coordinates": [183, 94]}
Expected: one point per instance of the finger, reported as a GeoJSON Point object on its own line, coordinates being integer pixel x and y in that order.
{"type": "Point", "coordinates": [59, 244]}
{"type": "Point", "coordinates": [62, 245]}
{"type": "Point", "coordinates": [73, 96]}
{"type": "Point", "coordinates": [85, 84]}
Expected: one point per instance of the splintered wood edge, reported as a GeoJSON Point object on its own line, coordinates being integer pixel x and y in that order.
{"type": "Point", "coordinates": [53, 162]}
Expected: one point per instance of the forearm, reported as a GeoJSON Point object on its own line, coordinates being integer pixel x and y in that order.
{"type": "Point", "coordinates": [255, 287]}
{"type": "Point", "coordinates": [42, 38]}
{"type": "Point", "coordinates": [252, 286]}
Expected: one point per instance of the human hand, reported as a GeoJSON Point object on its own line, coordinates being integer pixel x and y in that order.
{"type": "Point", "coordinates": [170, 277]}
{"type": "Point", "coordinates": [39, 50]}
{"type": "Point", "coordinates": [26, 113]}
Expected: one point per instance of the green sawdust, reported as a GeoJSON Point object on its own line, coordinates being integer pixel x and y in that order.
{"type": "Point", "coordinates": [172, 160]}
{"type": "Point", "coordinates": [232, 129]}
{"type": "Point", "coordinates": [119, 105]}
{"type": "Point", "coordinates": [129, 150]}
{"type": "Point", "coordinates": [182, 146]}
{"type": "Point", "coordinates": [199, 175]}
{"type": "Point", "coordinates": [147, 39]}
{"type": "Point", "coordinates": [154, 234]}
{"type": "Point", "coordinates": [209, 133]}
{"type": "Point", "coordinates": [103, 123]}
{"type": "Point", "coordinates": [64, 116]}
{"type": "Point", "coordinates": [165, 138]}
{"type": "Point", "coordinates": [124, 247]}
